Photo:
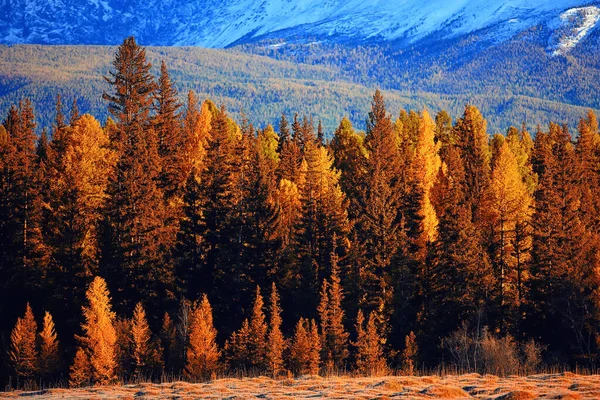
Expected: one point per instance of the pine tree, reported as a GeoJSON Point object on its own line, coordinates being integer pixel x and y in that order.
{"type": "Point", "coordinates": [509, 206]}
{"type": "Point", "coordinates": [81, 163]}
{"type": "Point", "coordinates": [99, 338]}
{"type": "Point", "coordinates": [334, 337]}
{"type": "Point", "coordinates": [49, 356]}
{"type": "Point", "coordinates": [350, 157]}
{"type": "Point", "coordinates": [237, 348]}
{"type": "Point", "coordinates": [284, 133]}
{"type": "Point", "coordinates": [23, 256]}
{"type": "Point", "coordinates": [134, 88]}
{"type": "Point", "coordinates": [320, 134]}
{"type": "Point", "coordinates": [136, 251]}
{"type": "Point", "coordinates": [168, 342]}
{"type": "Point", "coordinates": [257, 346]}
{"type": "Point", "coordinates": [80, 372]}
{"type": "Point", "coordinates": [23, 352]}
{"type": "Point", "coordinates": [171, 138]}
{"type": "Point", "coordinates": [473, 142]}
{"type": "Point", "coordinates": [146, 353]}
{"type": "Point", "coordinates": [370, 360]}
{"type": "Point", "coordinates": [203, 354]}
{"type": "Point", "coordinates": [305, 348]}
{"type": "Point", "coordinates": [378, 204]}
{"type": "Point", "coordinates": [458, 259]}
{"type": "Point", "coordinates": [409, 355]}
{"type": "Point", "coordinates": [314, 353]}
{"type": "Point", "coordinates": [324, 216]}
{"type": "Point", "coordinates": [275, 339]}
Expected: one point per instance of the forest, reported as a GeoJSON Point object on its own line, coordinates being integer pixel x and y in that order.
{"type": "Point", "coordinates": [173, 241]}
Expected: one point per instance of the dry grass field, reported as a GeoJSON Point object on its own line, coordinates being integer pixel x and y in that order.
{"type": "Point", "coordinates": [546, 386]}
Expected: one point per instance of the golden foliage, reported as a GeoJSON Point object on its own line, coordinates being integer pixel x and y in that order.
{"type": "Point", "coordinates": [100, 338]}
{"type": "Point", "coordinates": [146, 353]}
{"type": "Point", "coordinates": [48, 346]}
{"type": "Point", "coordinates": [80, 372]}
{"type": "Point", "coordinates": [202, 353]}
{"type": "Point", "coordinates": [23, 353]}
{"type": "Point", "coordinates": [305, 348]}
{"type": "Point", "coordinates": [409, 355]}
{"type": "Point", "coordinates": [275, 339]}
{"type": "Point", "coordinates": [427, 163]}
{"type": "Point", "coordinates": [370, 360]}
{"type": "Point", "coordinates": [288, 211]}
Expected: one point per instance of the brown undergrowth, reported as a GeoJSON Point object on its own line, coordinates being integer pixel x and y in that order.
{"type": "Point", "coordinates": [545, 386]}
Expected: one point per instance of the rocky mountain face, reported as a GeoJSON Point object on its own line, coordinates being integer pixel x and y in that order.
{"type": "Point", "coordinates": [224, 23]}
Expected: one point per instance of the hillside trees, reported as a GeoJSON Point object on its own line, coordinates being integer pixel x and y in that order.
{"type": "Point", "coordinates": [136, 239]}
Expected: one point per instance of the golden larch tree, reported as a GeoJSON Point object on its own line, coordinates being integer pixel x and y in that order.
{"type": "Point", "coordinates": [427, 163]}
{"type": "Point", "coordinates": [80, 372]}
{"type": "Point", "coordinates": [275, 339]}
{"type": "Point", "coordinates": [203, 353]}
{"type": "Point", "coordinates": [168, 340]}
{"type": "Point", "coordinates": [409, 355]}
{"type": "Point", "coordinates": [509, 208]}
{"type": "Point", "coordinates": [257, 346]}
{"type": "Point", "coordinates": [237, 348]}
{"type": "Point", "coordinates": [49, 357]}
{"type": "Point", "coordinates": [23, 352]}
{"type": "Point", "coordinates": [146, 353]}
{"type": "Point", "coordinates": [305, 348]}
{"type": "Point", "coordinates": [99, 339]}
{"type": "Point", "coordinates": [370, 359]}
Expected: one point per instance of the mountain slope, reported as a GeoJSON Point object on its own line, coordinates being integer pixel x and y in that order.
{"type": "Point", "coordinates": [220, 23]}
{"type": "Point", "coordinates": [264, 87]}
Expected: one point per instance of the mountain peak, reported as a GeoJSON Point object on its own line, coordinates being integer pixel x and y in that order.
{"type": "Point", "coordinates": [218, 23]}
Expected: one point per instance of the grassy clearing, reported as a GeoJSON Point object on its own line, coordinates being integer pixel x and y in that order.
{"type": "Point", "coordinates": [545, 386]}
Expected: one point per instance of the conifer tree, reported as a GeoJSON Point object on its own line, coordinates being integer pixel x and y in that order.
{"type": "Point", "coordinates": [136, 251]}
{"type": "Point", "coordinates": [349, 155]}
{"type": "Point", "coordinates": [334, 337]}
{"type": "Point", "coordinates": [458, 259]}
{"type": "Point", "coordinates": [473, 142]}
{"type": "Point", "coordinates": [324, 216]}
{"type": "Point", "coordinates": [370, 360]}
{"type": "Point", "coordinates": [314, 353]}
{"type": "Point", "coordinates": [79, 173]}
{"type": "Point", "coordinates": [146, 354]}
{"type": "Point", "coordinates": [203, 353]}
{"type": "Point", "coordinates": [275, 339]}
{"type": "Point", "coordinates": [305, 348]}
{"type": "Point", "coordinates": [80, 372]}
{"type": "Point", "coordinates": [299, 349]}
{"type": "Point", "coordinates": [23, 351]}
{"type": "Point", "coordinates": [409, 355]}
{"type": "Point", "coordinates": [171, 139]}
{"type": "Point", "coordinates": [284, 133]}
{"type": "Point", "coordinates": [379, 201]}
{"type": "Point", "coordinates": [99, 338]}
{"type": "Point", "coordinates": [49, 356]}
{"type": "Point", "coordinates": [237, 348]}
{"type": "Point", "coordinates": [168, 338]}
{"type": "Point", "coordinates": [134, 87]}
{"type": "Point", "coordinates": [257, 345]}
{"type": "Point", "coordinates": [509, 206]}
{"type": "Point", "coordinates": [23, 256]}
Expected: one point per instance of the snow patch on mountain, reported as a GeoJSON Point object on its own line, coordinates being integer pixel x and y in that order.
{"type": "Point", "coordinates": [222, 23]}
{"type": "Point", "coordinates": [571, 28]}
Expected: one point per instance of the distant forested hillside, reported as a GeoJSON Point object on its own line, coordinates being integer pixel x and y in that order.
{"type": "Point", "coordinates": [326, 82]}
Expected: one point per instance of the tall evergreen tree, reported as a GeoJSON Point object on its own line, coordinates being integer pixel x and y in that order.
{"type": "Point", "coordinates": [136, 253]}
{"type": "Point", "coordinates": [275, 339]}
{"type": "Point", "coordinates": [23, 351]}
{"type": "Point", "coordinates": [203, 353]}
{"type": "Point", "coordinates": [99, 336]}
